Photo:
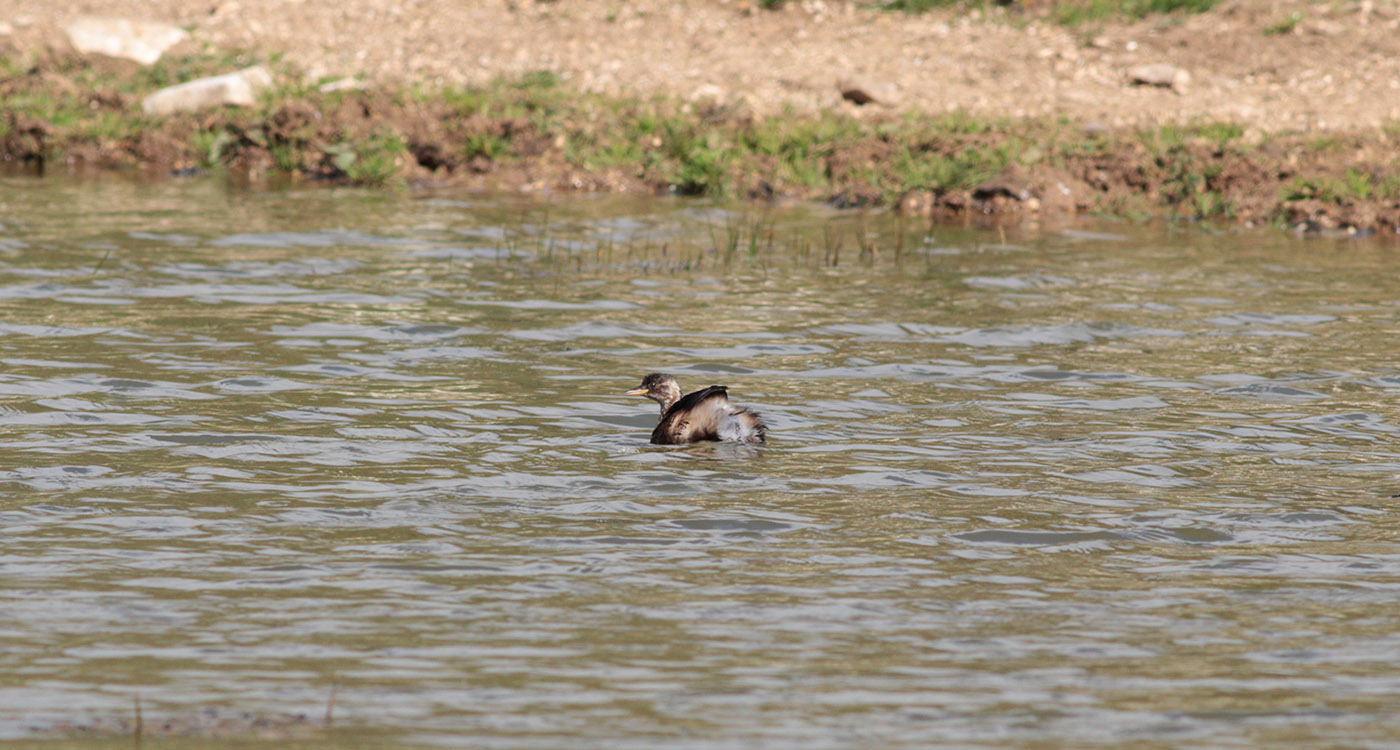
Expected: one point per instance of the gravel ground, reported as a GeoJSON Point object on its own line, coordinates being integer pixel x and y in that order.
{"type": "Point", "coordinates": [1338, 68]}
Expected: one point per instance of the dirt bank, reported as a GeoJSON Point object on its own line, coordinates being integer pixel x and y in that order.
{"type": "Point", "coordinates": [1272, 65]}
{"type": "Point", "coordinates": [1288, 110]}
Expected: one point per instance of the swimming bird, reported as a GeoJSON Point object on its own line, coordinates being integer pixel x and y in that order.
{"type": "Point", "coordinates": [703, 415]}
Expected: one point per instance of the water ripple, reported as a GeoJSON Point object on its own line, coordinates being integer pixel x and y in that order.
{"type": "Point", "coordinates": [1081, 489]}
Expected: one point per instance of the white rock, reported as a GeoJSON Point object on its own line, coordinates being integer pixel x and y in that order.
{"type": "Point", "coordinates": [1160, 74]}
{"type": "Point", "coordinates": [142, 41]}
{"type": "Point", "coordinates": [240, 88]}
{"type": "Point", "coordinates": [343, 84]}
{"type": "Point", "coordinates": [708, 92]}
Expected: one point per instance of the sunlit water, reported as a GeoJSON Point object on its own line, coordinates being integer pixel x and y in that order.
{"type": "Point", "coordinates": [1115, 487]}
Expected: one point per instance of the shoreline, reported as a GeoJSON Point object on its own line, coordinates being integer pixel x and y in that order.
{"type": "Point", "coordinates": [537, 133]}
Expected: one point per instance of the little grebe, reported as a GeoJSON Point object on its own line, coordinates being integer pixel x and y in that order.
{"type": "Point", "coordinates": [703, 415]}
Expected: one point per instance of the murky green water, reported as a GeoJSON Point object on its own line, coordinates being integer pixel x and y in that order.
{"type": "Point", "coordinates": [1026, 491]}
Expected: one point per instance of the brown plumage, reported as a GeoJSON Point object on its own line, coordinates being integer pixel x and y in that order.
{"type": "Point", "coordinates": [703, 415]}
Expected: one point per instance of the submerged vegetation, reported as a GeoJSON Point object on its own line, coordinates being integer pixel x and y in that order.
{"type": "Point", "coordinates": [535, 132]}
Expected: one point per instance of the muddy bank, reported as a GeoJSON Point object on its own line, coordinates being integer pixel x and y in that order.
{"type": "Point", "coordinates": [66, 112]}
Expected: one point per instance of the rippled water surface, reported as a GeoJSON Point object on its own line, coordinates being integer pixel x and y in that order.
{"type": "Point", "coordinates": [1110, 487]}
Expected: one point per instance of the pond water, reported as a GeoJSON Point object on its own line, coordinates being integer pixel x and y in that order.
{"type": "Point", "coordinates": [1106, 486]}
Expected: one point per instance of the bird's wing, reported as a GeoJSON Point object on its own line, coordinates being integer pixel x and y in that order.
{"type": "Point", "coordinates": [697, 416]}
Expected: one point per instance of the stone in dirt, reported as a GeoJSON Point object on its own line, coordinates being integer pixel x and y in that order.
{"type": "Point", "coordinates": [239, 88]}
{"type": "Point", "coordinates": [1160, 74]}
{"type": "Point", "coordinates": [862, 93]}
{"type": "Point", "coordinates": [856, 94]}
{"type": "Point", "coordinates": [1059, 191]}
{"type": "Point", "coordinates": [708, 92]}
{"type": "Point", "coordinates": [142, 41]}
{"type": "Point", "coordinates": [917, 203]}
{"type": "Point", "coordinates": [1012, 183]}
{"type": "Point", "coordinates": [343, 84]}
{"type": "Point", "coordinates": [1039, 188]}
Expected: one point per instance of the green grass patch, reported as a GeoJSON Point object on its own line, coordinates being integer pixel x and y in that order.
{"type": "Point", "coordinates": [212, 146]}
{"type": "Point", "coordinates": [1322, 189]}
{"type": "Point", "coordinates": [924, 6]}
{"type": "Point", "coordinates": [1327, 144]}
{"type": "Point", "coordinates": [1353, 187]}
{"type": "Point", "coordinates": [1285, 25]}
{"type": "Point", "coordinates": [1077, 12]}
{"type": "Point", "coordinates": [922, 167]}
{"type": "Point", "coordinates": [1220, 133]}
{"type": "Point", "coordinates": [1190, 183]}
{"type": "Point", "coordinates": [371, 161]}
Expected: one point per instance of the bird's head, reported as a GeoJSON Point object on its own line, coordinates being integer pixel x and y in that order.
{"type": "Point", "coordinates": [659, 387]}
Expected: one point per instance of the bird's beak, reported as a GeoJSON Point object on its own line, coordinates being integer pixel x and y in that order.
{"type": "Point", "coordinates": [638, 391]}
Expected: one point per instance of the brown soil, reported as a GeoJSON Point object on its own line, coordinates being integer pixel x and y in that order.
{"type": "Point", "coordinates": [1337, 68]}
